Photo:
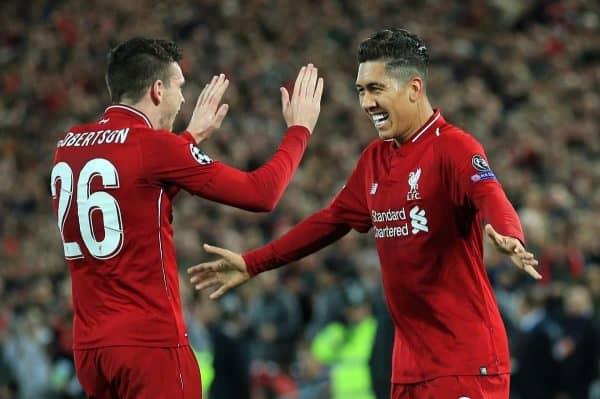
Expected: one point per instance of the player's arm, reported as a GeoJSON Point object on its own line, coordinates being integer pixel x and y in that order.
{"type": "Point", "coordinates": [471, 179]}
{"type": "Point", "coordinates": [347, 211]}
{"type": "Point", "coordinates": [173, 159]}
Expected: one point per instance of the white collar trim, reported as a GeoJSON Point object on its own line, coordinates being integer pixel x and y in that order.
{"type": "Point", "coordinates": [424, 129]}
{"type": "Point", "coordinates": [132, 110]}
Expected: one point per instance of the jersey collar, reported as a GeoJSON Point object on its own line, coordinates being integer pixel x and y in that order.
{"type": "Point", "coordinates": [130, 112]}
{"type": "Point", "coordinates": [431, 128]}
{"type": "Point", "coordinates": [428, 126]}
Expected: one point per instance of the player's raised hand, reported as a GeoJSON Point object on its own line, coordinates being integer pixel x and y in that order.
{"type": "Point", "coordinates": [208, 115]}
{"type": "Point", "coordinates": [514, 249]}
{"type": "Point", "coordinates": [304, 106]}
{"type": "Point", "coordinates": [225, 273]}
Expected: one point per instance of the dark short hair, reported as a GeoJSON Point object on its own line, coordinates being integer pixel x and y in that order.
{"type": "Point", "coordinates": [402, 51]}
{"type": "Point", "coordinates": [134, 65]}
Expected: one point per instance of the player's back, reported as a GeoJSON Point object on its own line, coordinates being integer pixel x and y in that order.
{"type": "Point", "coordinates": [115, 224]}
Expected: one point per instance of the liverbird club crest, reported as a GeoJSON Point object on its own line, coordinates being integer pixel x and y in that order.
{"type": "Point", "coordinates": [413, 182]}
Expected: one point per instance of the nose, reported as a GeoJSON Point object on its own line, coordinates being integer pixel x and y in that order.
{"type": "Point", "coordinates": [368, 101]}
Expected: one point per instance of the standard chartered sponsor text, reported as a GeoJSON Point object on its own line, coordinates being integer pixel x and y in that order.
{"type": "Point", "coordinates": [391, 231]}
{"type": "Point", "coordinates": [390, 215]}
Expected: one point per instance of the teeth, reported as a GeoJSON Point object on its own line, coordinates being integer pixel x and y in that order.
{"type": "Point", "coordinates": [379, 119]}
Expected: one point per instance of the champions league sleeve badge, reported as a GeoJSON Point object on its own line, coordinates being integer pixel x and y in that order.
{"type": "Point", "coordinates": [199, 156]}
{"type": "Point", "coordinates": [482, 169]}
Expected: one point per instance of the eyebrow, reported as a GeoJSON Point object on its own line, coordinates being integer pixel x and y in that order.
{"type": "Point", "coordinates": [370, 85]}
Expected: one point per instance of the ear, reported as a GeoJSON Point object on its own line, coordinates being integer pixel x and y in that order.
{"type": "Point", "coordinates": [416, 88]}
{"type": "Point", "coordinates": [156, 91]}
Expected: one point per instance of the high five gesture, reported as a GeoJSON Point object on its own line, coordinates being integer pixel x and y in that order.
{"type": "Point", "coordinates": [304, 106]}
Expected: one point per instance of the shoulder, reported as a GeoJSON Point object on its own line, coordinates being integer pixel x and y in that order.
{"type": "Point", "coordinates": [453, 140]}
{"type": "Point", "coordinates": [372, 155]}
{"type": "Point", "coordinates": [77, 129]}
{"type": "Point", "coordinates": [163, 146]}
{"type": "Point", "coordinates": [451, 135]}
{"type": "Point", "coordinates": [334, 328]}
{"type": "Point", "coordinates": [158, 134]}
{"type": "Point", "coordinates": [375, 148]}
{"type": "Point", "coordinates": [159, 145]}
{"type": "Point", "coordinates": [376, 145]}
{"type": "Point", "coordinates": [154, 137]}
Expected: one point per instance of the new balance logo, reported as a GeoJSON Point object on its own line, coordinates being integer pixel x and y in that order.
{"type": "Point", "coordinates": [418, 221]}
{"type": "Point", "coordinates": [373, 188]}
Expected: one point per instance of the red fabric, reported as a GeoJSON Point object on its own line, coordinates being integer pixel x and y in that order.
{"type": "Point", "coordinates": [131, 295]}
{"type": "Point", "coordinates": [12, 246]}
{"type": "Point", "coordinates": [456, 387]}
{"type": "Point", "coordinates": [279, 382]}
{"type": "Point", "coordinates": [11, 82]}
{"type": "Point", "coordinates": [553, 260]}
{"type": "Point", "coordinates": [139, 373]}
{"type": "Point", "coordinates": [429, 239]}
{"type": "Point", "coordinates": [67, 28]}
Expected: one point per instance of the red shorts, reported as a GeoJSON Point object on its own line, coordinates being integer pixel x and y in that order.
{"type": "Point", "coordinates": [456, 387]}
{"type": "Point", "coordinates": [123, 372]}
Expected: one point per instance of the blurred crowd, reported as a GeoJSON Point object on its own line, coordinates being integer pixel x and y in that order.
{"type": "Point", "coordinates": [523, 77]}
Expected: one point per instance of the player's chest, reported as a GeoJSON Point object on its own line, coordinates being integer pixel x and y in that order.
{"type": "Point", "coordinates": [406, 196]}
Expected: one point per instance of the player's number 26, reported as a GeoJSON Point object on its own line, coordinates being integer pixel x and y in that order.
{"type": "Point", "coordinates": [87, 204]}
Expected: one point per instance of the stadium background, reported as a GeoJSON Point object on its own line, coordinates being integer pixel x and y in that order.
{"type": "Point", "coordinates": [523, 77]}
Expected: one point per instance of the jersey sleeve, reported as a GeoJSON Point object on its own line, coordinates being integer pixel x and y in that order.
{"type": "Point", "coordinates": [171, 159]}
{"type": "Point", "coordinates": [471, 180]}
{"type": "Point", "coordinates": [187, 136]}
{"type": "Point", "coordinates": [350, 205]}
{"type": "Point", "coordinates": [348, 210]}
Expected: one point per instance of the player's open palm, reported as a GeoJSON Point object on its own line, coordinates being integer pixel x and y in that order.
{"type": "Point", "coordinates": [304, 106]}
{"type": "Point", "coordinates": [514, 249]}
{"type": "Point", "coordinates": [225, 273]}
{"type": "Point", "coordinates": [208, 115]}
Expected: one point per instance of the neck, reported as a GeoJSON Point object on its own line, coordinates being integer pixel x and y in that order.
{"type": "Point", "coordinates": [422, 115]}
{"type": "Point", "coordinates": [147, 109]}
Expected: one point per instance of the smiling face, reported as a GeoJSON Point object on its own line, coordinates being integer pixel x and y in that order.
{"type": "Point", "coordinates": [390, 103]}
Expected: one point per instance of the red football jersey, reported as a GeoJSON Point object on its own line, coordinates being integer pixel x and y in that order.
{"type": "Point", "coordinates": [425, 202]}
{"type": "Point", "coordinates": [112, 183]}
